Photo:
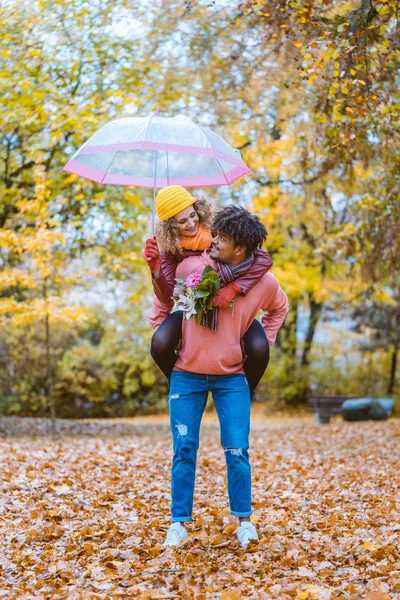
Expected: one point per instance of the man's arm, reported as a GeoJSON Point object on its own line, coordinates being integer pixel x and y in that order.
{"type": "Point", "coordinates": [276, 310]}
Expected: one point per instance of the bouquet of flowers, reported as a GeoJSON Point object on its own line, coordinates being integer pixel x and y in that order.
{"type": "Point", "coordinates": [193, 295]}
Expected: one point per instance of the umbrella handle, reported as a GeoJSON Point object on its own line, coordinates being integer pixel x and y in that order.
{"type": "Point", "coordinates": [153, 212]}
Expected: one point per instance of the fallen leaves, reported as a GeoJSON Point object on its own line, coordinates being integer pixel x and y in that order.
{"type": "Point", "coordinates": [85, 517]}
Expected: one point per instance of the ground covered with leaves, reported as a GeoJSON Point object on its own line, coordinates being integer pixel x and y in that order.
{"type": "Point", "coordinates": [85, 517]}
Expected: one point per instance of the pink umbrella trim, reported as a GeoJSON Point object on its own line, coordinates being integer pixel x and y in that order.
{"type": "Point", "coordinates": [77, 168]}
{"type": "Point", "coordinates": [148, 182]}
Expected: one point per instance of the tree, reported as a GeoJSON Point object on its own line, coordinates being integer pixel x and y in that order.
{"type": "Point", "coordinates": [379, 320]}
{"type": "Point", "coordinates": [346, 58]}
{"type": "Point", "coordinates": [57, 90]}
{"type": "Point", "coordinates": [320, 69]}
{"type": "Point", "coordinates": [62, 74]}
{"type": "Point", "coordinates": [308, 92]}
{"type": "Point", "coordinates": [36, 274]}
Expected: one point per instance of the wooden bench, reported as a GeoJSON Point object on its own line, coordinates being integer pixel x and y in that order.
{"type": "Point", "coordinates": [325, 406]}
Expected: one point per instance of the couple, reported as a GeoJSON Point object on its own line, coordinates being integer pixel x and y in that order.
{"type": "Point", "coordinates": [229, 361]}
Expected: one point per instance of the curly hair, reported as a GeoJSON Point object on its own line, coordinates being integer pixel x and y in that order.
{"type": "Point", "coordinates": [167, 231]}
{"type": "Point", "coordinates": [242, 226]}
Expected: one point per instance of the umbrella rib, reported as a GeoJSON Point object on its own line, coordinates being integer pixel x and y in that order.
{"type": "Point", "coordinates": [221, 169]}
{"type": "Point", "coordinates": [205, 133]}
{"type": "Point", "coordinates": [214, 157]}
{"type": "Point", "coordinates": [108, 168]}
{"type": "Point", "coordinates": [147, 128]}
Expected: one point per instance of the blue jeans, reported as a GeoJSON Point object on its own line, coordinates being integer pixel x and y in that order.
{"type": "Point", "coordinates": [187, 401]}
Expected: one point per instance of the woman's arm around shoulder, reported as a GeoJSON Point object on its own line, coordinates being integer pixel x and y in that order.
{"type": "Point", "coordinates": [261, 265]}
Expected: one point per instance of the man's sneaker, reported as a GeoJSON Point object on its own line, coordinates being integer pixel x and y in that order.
{"type": "Point", "coordinates": [246, 532]}
{"type": "Point", "coordinates": [175, 534]}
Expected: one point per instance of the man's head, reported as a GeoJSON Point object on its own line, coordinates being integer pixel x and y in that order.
{"type": "Point", "coordinates": [236, 234]}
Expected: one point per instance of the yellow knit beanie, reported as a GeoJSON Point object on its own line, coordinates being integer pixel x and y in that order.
{"type": "Point", "coordinates": [171, 200]}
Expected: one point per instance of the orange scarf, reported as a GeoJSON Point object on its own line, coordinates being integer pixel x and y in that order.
{"type": "Point", "coordinates": [200, 241]}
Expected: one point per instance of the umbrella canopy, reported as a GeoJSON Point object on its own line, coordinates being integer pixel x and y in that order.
{"type": "Point", "coordinates": [153, 152]}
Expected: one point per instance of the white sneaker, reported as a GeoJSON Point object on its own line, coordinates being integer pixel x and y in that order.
{"type": "Point", "coordinates": [175, 534]}
{"type": "Point", "coordinates": [246, 532]}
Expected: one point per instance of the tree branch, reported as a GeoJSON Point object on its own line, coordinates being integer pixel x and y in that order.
{"type": "Point", "coordinates": [268, 182]}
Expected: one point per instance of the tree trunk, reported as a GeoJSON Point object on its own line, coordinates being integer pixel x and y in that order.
{"type": "Point", "coordinates": [315, 314]}
{"type": "Point", "coordinates": [393, 366]}
{"type": "Point", "coordinates": [49, 386]}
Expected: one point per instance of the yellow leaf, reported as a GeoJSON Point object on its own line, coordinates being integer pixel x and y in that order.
{"type": "Point", "coordinates": [298, 44]}
{"type": "Point", "coordinates": [376, 595]}
{"type": "Point", "coordinates": [229, 529]}
{"type": "Point", "coordinates": [369, 546]}
{"type": "Point", "coordinates": [231, 595]}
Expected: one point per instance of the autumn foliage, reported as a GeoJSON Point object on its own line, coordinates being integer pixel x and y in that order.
{"type": "Point", "coordinates": [307, 90]}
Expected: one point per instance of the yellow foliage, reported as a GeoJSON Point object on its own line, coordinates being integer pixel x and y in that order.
{"type": "Point", "coordinates": [43, 251]}
{"type": "Point", "coordinates": [384, 295]}
{"type": "Point", "coordinates": [54, 309]}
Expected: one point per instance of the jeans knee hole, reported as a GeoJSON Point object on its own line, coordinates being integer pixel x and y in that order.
{"type": "Point", "coordinates": [182, 429]}
{"type": "Point", "coordinates": [234, 451]}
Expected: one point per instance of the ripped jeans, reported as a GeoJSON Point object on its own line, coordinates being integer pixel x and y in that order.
{"type": "Point", "coordinates": [187, 401]}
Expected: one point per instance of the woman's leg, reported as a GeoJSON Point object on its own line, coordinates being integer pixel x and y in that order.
{"type": "Point", "coordinates": [256, 348]}
{"type": "Point", "coordinates": [164, 342]}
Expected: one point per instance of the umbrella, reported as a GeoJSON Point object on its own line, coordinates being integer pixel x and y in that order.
{"type": "Point", "coordinates": [155, 151]}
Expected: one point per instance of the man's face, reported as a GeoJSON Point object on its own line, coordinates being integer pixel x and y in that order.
{"type": "Point", "coordinates": [224, 250]}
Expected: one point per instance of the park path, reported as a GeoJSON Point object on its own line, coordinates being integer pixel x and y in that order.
{"type": "Point", "coordinates": [84, 517]}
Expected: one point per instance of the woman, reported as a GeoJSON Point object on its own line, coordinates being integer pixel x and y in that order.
{"type": "Point", "coordinates": [184, 229]}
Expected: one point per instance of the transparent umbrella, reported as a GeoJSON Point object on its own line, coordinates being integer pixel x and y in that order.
{"type": "Point", "coordinates": [155, 151]}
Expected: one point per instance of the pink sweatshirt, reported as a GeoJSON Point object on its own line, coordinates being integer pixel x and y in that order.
{"type": "Point", "coordinates": [220, 352]}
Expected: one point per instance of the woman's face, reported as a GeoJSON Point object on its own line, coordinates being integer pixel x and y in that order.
{"type": "Point", "coordinates": [187, 221]}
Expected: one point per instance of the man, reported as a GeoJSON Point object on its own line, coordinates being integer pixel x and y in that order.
{"type": "Point", "coordinates": [213, 361]}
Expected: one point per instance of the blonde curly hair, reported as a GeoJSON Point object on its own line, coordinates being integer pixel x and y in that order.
{"type": "Point", "coordinates": [167, 231]}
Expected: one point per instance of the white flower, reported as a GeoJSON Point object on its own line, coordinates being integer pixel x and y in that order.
{"type": "Point", "coordinates": [187, 305]}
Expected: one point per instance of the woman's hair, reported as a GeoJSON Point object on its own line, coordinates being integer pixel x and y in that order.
{"type": "Point", "coordinates": [167, 231]}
